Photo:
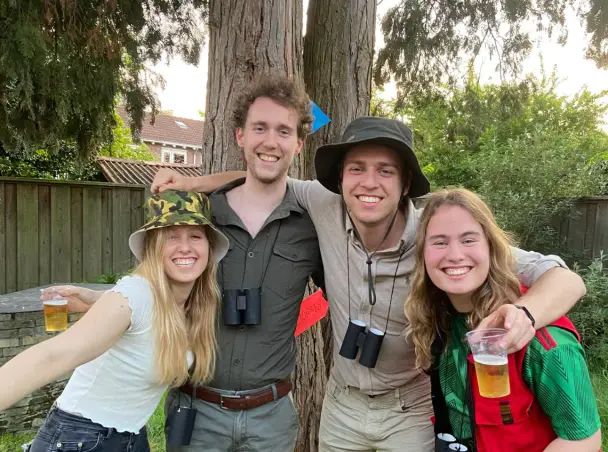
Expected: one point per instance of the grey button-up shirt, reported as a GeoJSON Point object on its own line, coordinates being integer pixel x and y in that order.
{"type": "Point", "coordinates": [280, 259]}
{"type": "Point", "coordinates": [395, 367]}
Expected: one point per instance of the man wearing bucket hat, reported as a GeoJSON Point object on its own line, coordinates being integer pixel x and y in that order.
{"type": "Point", "coordinates": [366, 225]}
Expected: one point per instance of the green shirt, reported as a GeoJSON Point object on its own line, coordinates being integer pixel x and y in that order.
{"type": "Point", "coordinates": [559, 379]}
{"type": "Point", "coordinates": [279, 259]}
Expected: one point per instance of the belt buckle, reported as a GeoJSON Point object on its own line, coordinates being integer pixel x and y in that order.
{"type": "Point", "coordinates": [224, 396]}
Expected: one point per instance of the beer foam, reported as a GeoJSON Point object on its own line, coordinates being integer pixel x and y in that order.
{"type": "Point", "coordinates": [56, 302]}
{"type": "Point", "coordinates": [491, 360]}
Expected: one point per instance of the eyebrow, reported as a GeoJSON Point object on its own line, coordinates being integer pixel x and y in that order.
{"type": "Point", "coordinates": [265, 124]}
{"type": "Point", "coordinates": [464, 234]}
{"type": "Point", "coordinates": [361, 162]}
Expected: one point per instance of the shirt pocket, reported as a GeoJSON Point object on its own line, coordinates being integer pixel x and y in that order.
{"type": "Point", "coordinates": [289, 269]}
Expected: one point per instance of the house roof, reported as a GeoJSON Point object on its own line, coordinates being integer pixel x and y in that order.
{"type": "Point", "coordinates": [123, 171]}
{"type": "Point", "coordinates": [169, 129]}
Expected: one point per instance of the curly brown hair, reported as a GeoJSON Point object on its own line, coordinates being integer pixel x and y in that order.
{"type": "Point", "coordinates": [282, 90]}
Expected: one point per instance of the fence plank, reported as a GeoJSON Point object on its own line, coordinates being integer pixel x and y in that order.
{"type": "Point", "coordinates": [27, 236]}
{"type": "Point", "coordinates": [2, 239]}
{"type": "Point", "coordinates": [76, 226]}
{"type": "Point", "coordinates": [60, 234]}
{"type": "Point", "coordinates": [92, 234]}
{"type": "Point", "coordinates": [121, 216]}
{"type": "Point", "coordinates": [137, 216]}
{"type": "Point", "coordinates": [10, 249]}
{"type": "Point", "coordinates": [44, 234]}
{"type": "Point", "coordinates": [106, 230]}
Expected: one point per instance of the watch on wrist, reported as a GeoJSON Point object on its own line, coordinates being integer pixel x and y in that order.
{"type": "Point", "coordinates": [523, 308]}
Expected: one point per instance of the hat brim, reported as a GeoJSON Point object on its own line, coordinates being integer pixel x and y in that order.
{"type": "Point", "coordinates": [329, 157]}
{"type": "Point", "coordinates": [137, 240]}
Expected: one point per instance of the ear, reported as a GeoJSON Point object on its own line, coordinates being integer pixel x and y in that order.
{"type": "Point", "coordinates": [300, 144]}
{"type": "Point", "coordinates": [239, 137]}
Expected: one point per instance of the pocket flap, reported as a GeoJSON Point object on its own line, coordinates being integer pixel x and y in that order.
{"type": "Point", "coordinates": [289, 252]}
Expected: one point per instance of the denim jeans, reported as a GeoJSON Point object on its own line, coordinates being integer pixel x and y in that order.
{"type": "Point", "coordinates": [65, 432]}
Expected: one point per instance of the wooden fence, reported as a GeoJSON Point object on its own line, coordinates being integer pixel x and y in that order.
{"type": "Point", "coordinates": [57, 231]}
{"type": "Point", "coordinates": [585, 231]}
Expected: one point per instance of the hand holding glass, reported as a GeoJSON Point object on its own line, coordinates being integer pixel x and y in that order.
{"type": "Point", "coordinates": [55, 311]}
{"type": "Point", "coordinates": [491, 362]}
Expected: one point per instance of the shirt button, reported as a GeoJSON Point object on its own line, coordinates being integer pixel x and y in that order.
{"type": "Point", "coordinates": [250, 254]}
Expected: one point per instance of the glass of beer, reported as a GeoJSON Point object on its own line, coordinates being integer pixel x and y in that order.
{"type": "Point", "coordinates": [491, 362]}
{"type": "Point", "coordinates": [55, 314]}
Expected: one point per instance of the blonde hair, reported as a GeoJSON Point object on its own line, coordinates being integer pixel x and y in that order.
{"type": "Point", "coordinates": [178, 330]}
{"type": "Point", "coordinates": [427, 307]}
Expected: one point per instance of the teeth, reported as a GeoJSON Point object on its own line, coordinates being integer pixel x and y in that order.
{"type": "Point", "coordinates": [268, 158]}
{"type": "Point", "coordinates": [372, 199]}
{"type": "Point", "coordinates": [457, 271]}
{"type": "Point", "coordinates": [184, 262]}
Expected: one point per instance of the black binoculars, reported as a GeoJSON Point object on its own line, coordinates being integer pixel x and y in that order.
{"type": "Point", "coordinates": [242, 306]}
{"type": "Point", "coordinates": [369, 341]}
{"type": "Point", "coordinates": [444, 442]}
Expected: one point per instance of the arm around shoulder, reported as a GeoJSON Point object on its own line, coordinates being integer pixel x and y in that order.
{"type": "Point", "coordinates": [553, 289]}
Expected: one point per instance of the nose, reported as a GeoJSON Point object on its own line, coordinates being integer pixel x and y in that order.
{"type": "Point", "coordinates": [182, 245]}
{"type": "Point", "coordinates": [455, 253]}
{"type": "Point", "coordinates": [271, 140]}
{"type": "Point", "coordinates": [370, 179]}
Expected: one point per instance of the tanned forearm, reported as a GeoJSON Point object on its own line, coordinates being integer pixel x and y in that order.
{"type": "Point", "coordinates": [553, 295]}
{"type": "Point", "coordinates": [211, 182]}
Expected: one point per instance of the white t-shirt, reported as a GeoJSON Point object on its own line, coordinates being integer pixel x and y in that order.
{"type": "Point", "coordinates": [119, 388]}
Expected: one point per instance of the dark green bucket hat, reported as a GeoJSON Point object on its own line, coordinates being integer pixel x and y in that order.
{"type": "Point", "coordinates": [370, 129]}
{"type": "Point", "coordinates": [177, 208]}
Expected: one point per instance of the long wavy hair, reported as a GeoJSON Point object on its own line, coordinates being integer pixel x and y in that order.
{"type": "Point", "coordinates": [178, 329]}
{"type": "Point", "coordinates": [427, 307]}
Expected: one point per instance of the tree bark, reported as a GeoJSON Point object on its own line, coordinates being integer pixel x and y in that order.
{"type": "Point", "coordinates": [247, 38]}
{"type": "Point", "coordinates": [338, 57]}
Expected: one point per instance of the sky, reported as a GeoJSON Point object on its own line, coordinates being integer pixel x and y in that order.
{"type": "Point", "coordinates": [184, 93]}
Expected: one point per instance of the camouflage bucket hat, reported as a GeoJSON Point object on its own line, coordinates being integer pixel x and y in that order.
{"type": "Point", "coordinates": [177, 208]}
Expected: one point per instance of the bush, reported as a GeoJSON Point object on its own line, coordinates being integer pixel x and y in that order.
{"type": "Point", "coordinates": [591, 313]}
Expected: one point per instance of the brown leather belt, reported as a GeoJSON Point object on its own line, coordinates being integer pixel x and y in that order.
{"type": "Point", "coordinates": [240, 402]}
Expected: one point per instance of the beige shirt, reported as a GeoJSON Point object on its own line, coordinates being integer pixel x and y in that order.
{"type": "Point", "coordinates": [395, 366]}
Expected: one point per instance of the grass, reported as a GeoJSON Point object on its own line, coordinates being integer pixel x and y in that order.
{"type": "Point", "coordinates": [156, 436]}
{"type": "Point", "coordinates": [12, 442]}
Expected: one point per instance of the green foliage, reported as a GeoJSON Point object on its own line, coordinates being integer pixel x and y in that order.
{"type": "Point", "coordinates": [521, 146]}
{"type": "Point", "coordinates": [591, 313]}
{"type": "Point", "coordinates": [599, 379]}
{"type": "Point", "coordinates": [427, 40]}
{"type": "Point", "coordinates": [63, 64]}
{"type": "Point", "coordinates": [66, 164]}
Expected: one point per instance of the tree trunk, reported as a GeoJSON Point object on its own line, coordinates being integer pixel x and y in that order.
{"type": "Point", "coordinates": [338, 57]}
{"type": "Point", "coordinates": [247, 38]}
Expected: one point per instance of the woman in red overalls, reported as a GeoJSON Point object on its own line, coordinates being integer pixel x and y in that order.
{"type": "Point", "coordinates": [464, 272]}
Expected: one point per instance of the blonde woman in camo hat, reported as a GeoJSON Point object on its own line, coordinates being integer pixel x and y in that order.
{"type": "Point", "coordinates": [154, 329]}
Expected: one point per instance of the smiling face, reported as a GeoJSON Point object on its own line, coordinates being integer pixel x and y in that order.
{"type": "Point", "coordinates": [185, 253]}
{"type": "Point", "coordinates": [456, 254]}
{"type": "Point", "coordinates": [371, 183]}
{"type": "Point", "coordinates": [269, 139]}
